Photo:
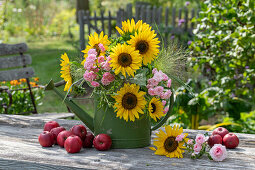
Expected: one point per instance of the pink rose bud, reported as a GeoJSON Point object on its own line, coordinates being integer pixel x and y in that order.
{"type": "Point", "coordinates": [163, 102]}
{"type": "Point", "coordinates": [166, 110]}
{"type": "Point", "coordinates": [92, 51]}
{"type": "Point", "coordinates": [179, 138]}
{"type": "Point", "coordinates": [100, 59]}
{"type": "Point", "coordinates": [190, 141]}
{"type": "Point", "coordinates": [218, 152]}
{"type": "Point", "coordinates": [200, 139]}
{"type": "Point", "coordinates": [95, 84]}
{"type": "Point", "coordinates": [154, 71]}
{"type": "Point", "coordinates": [153, 82]}
{"type": "Point", "coordinates": [197, 148]}
{"type": "Point", "coordinates": [169, 82]}
{"type": "Point", "coordinates": [101, 46]}
{"type": "Point", "coordinates": [165, 77]}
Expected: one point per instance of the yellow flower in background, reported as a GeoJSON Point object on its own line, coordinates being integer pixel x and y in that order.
{"type": "Point", "coordinates": [125, 59]}
{"type": "Point", "coordinates": [181, 111]}
{"type": "Point", "coordinates": [94, 41]}
{"type": "Point", "coordinates": [156, 109]}
{"type": "Point", "coordinates": [129, 102]}
{"type": "Point", "coordinates": [15, 82]}
{"type": "Point", "coordinates": [65, 71]}
{"type": "Point", "coordinates": [130, 26]}
{"type": "Point", "coordinates": [147, 45]}
{"type": "Point", "coordinates": [166, 143]}
{"type": "Point", "coordinates": [36, 79]}
{"type": "Point", "coordinates": [23, 80]}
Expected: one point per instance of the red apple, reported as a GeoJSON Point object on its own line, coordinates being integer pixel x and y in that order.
{"type": "Point", "coordinates": [46, 139]}
{"type": "Point", "coordinates": [50, 125]}
{"type": "Point", "coordinates": [220, 131]}
{"type": "Point", "coordinates": [73, 144]}
{"type": "Point", "coordinates": [79, 130]}
{"type": "Point", "coordinates": [56, 131]}
{"type": "Point", "coordinates": [88, 141]}
{"type": "Point", "coordinates": [62, 136]}
{"type": "Point", "coordinates": [231, 141]}
{"type": "Point", "coordinates": [214, 139]}
{"type": "Point", "coordinates": [102, 142]}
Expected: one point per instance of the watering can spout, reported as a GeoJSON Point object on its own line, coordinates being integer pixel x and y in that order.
{"type": "Point", "coordinates": [79, 112]}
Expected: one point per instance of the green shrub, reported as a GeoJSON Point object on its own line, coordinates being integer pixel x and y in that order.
{"type": "Point", "coordinates": [223, 52]}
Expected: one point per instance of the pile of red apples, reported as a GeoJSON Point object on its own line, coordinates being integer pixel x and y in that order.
{"type": "Point", "coordinates": [74, 139]}
{"type": "Point", "coordinates": [221, 135]}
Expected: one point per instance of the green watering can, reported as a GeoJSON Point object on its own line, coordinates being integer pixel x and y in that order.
{"type": "Point", "coordinates": [123, 134]}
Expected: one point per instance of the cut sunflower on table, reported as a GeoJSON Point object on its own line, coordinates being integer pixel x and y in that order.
{"type": "Point", "coordinates": [65, 71]}
{"type": "Point", "coordinates": [129, 102]}
{"type": "Point", "coordinates": [166, 143]}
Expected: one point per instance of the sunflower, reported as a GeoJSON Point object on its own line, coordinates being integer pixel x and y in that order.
{"type": "Point", "coordinates": [130, 26]}
{"type": "Point", "coordinates": [125, 59]}
{"type": "Point", "coordinates": [65, 71]}
{"type": "Point", "coordinates": [147, 45]}
{"type": "Point", "coordinates": [129, 102]}
{"type": "Point", "coordinates": [94, 40]}
{"type": "Point", "coordinates": [166, 143]}
{"type": "Point", "coordinates": [156, 108]}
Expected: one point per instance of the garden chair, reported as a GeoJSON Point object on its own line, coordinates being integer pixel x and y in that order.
{"type": "Point", "coordinates": [14, 68]}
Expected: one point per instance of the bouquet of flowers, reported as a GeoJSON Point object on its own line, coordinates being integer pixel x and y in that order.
{"type": "Point", "coordinates": [122, 71]}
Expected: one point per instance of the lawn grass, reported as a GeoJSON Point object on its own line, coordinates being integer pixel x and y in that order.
{"type": "Point", "coordinates": [45, 61]}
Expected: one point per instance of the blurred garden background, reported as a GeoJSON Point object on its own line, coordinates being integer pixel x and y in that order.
{"type": "Point", "coordinates": [219, 73]}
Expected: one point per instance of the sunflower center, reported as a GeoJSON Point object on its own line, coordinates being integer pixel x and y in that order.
{"type": "Point", "coordinates": [142, 46]}
{"type": "Point", "coordinates": [153, 108]}
{"type": "Point", "coordinates": [129, 101]}
{"type": "Point", "coordinates": [124, 59]}
{"type": "Point", "coordinates": [170, 144]}
{"type": "Point", "coordinates": [97, 49]}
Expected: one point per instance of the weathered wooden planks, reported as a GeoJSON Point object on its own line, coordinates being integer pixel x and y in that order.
{"type": "Point", "coordinates": [20, 148]}
{"type": "Point", "coordinates": [15, 61]}
{"type": "Point", "coordinates": [7, 49]}
{"type": "Point", "coordinates": [16, 74]}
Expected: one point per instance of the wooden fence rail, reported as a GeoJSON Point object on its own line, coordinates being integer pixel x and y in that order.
{"type": "Point", "coordinates": [165, 21]}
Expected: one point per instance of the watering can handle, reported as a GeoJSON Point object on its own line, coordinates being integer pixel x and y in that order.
{"type": "Point", "coordinates": [162, 121]}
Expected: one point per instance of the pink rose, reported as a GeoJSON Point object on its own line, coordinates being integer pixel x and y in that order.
{"type": "Point", "coordinates": [92, 51]}
{"type": "Point", "coordinates": [190, 141]}
{"type": "Point", "coordinates": [153, 82]}
{"type": "Point", "coordinates": [101, 46]}
{"type": "Point", "coordinates": [166, 95]}
{"type": "Point", "coordinates": [91, 58]}
{"type": "Point", "coordinates": [169, 82]}
{"type": "Point", "coordinates": [163, 102]}
{"type": "Point", "coordinates": [158, 90]}
{"type": "Point", "coordinates": [151, 91]}
{"type": "Point", "coordinates": [89, 76]}
{"type": "Point", "coordinates": [158, 76]}
{"type": "Point", "coordinates": [108, 76]}
{"type": "Point", "coordinates": [197, 148]}
{"type": "Point", "coordinates": [200, 139]}
{"type": "Point", "coordinates": [100, 59]}
{"type": "Point", "coordinates": [95, 84]}
{"type": "Point", "coordinates": [218, 152]}
{"type": "Point", "coordinates": [179, 138]}
{"type": "Point", "coordinates": [106, 66]}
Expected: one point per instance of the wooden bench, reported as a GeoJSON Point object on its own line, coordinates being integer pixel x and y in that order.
{"type": "Point", "coordinates": [15, 68]}
{"type": "Point", "coordinates": [20, 150]}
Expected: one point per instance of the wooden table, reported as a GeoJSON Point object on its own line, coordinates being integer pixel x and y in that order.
{"type": "Point", "coordinates": [19, 149]}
